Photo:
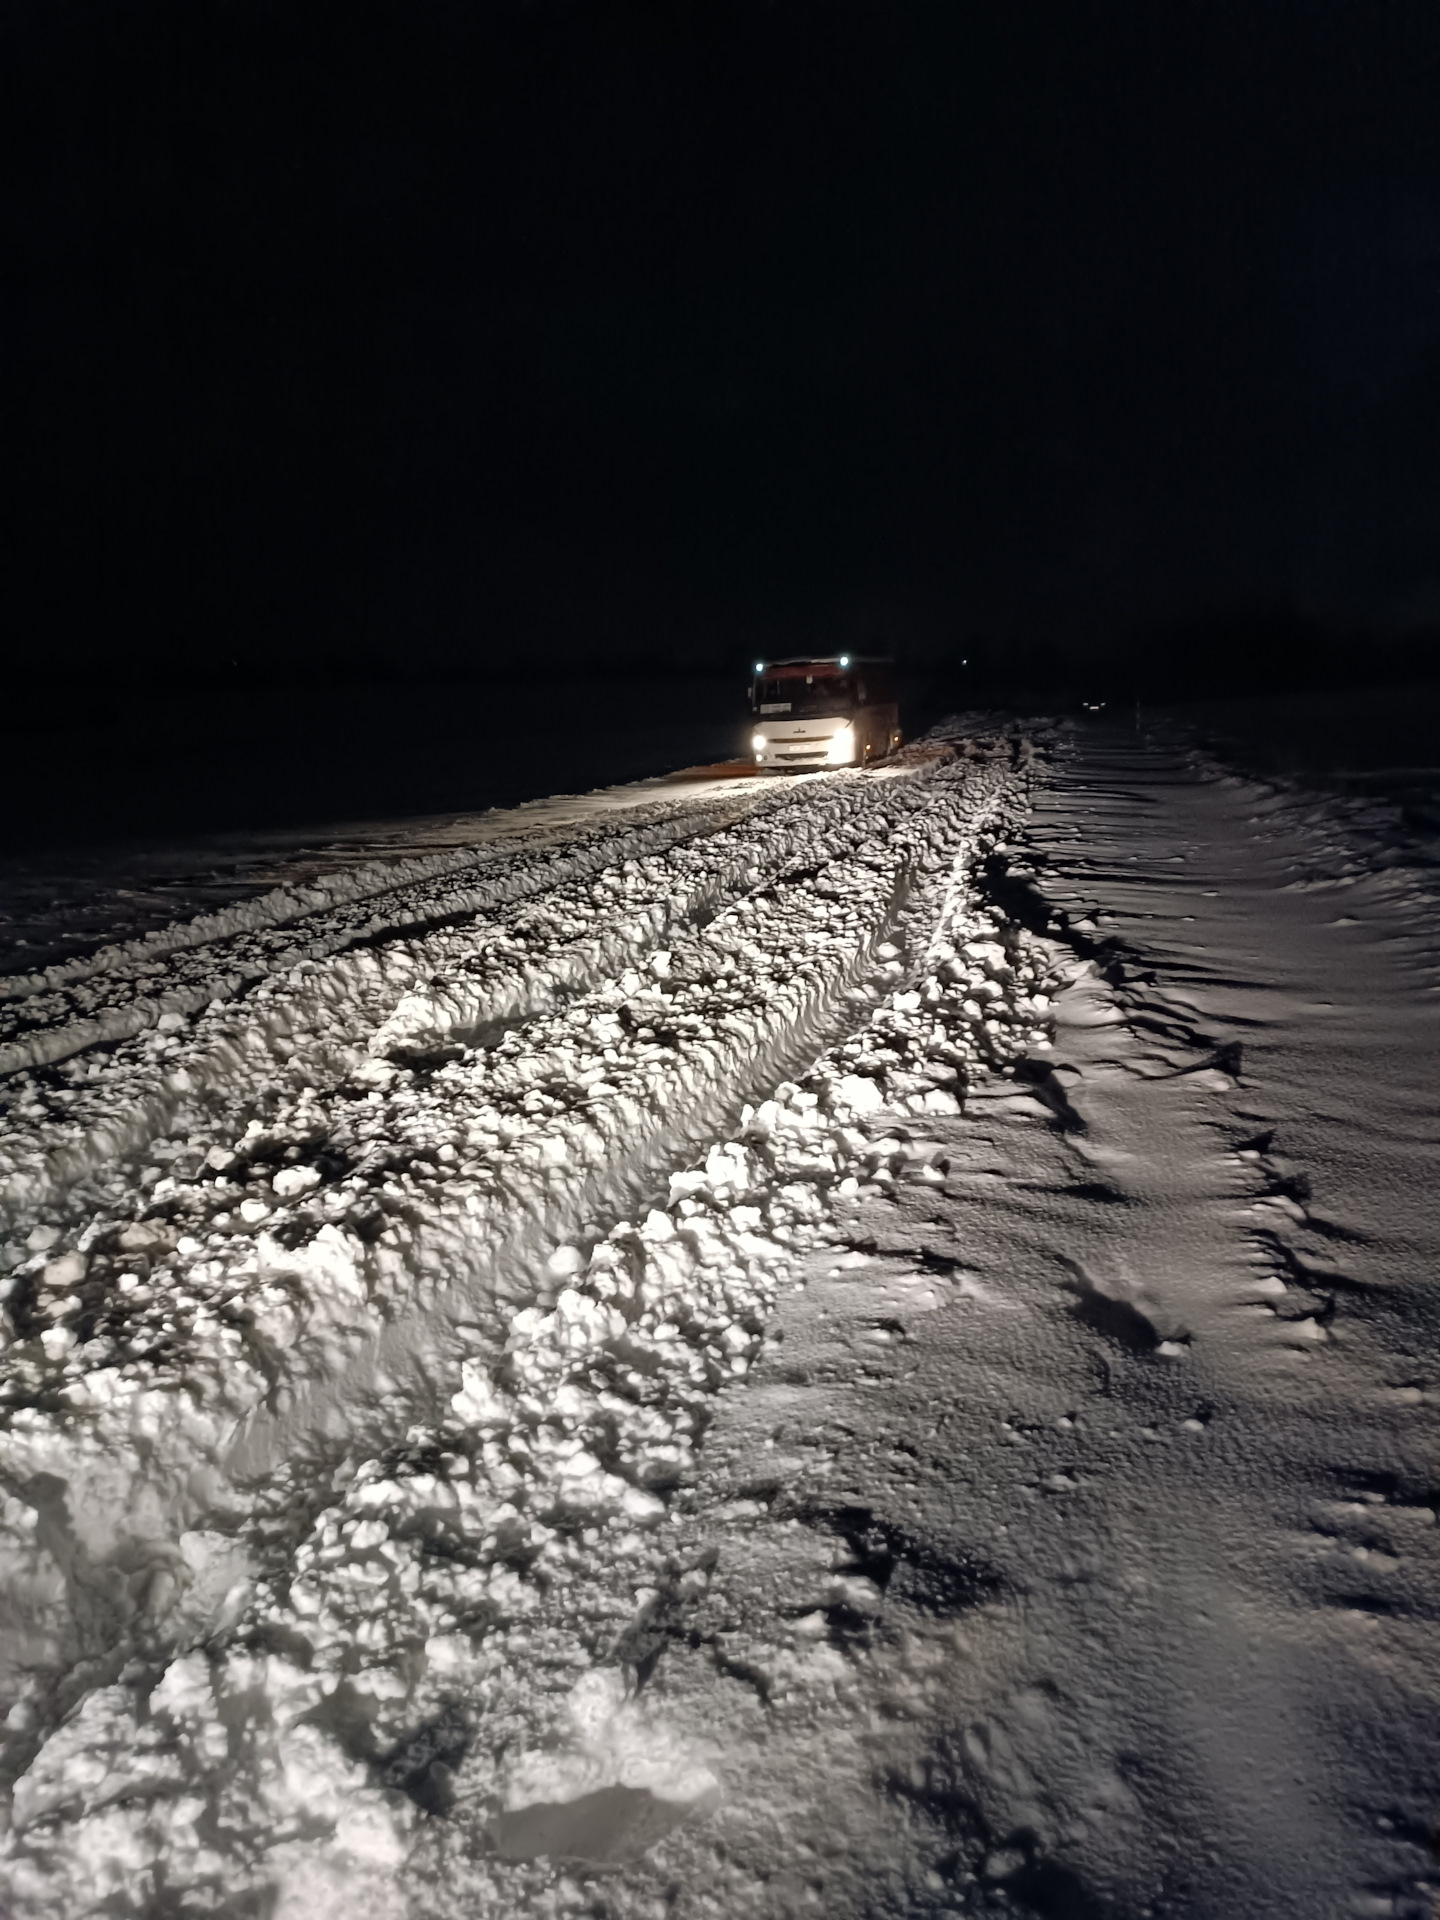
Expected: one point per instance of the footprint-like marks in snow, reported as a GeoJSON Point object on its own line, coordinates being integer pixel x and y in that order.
{"type": "Point", "coordinates": [1139, 1329]}
{"type": "Point", "coordinates": [1012, 1868]}
{"type": "Point", "coordinates": [903, 1567]}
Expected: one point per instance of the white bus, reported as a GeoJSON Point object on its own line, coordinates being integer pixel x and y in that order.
{"type": "Point", "coordinates": [838, 711]}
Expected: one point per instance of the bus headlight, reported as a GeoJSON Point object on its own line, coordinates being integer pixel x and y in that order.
{"type": "Point", "coordinates": [757, 740]}
{"type": "Point", "coordinates": [842, 748]}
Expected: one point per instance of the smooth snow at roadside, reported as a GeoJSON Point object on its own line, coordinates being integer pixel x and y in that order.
{"type": "Point", "coordinates": [858, 1346]}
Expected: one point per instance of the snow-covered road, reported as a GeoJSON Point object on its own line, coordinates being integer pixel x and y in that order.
{"type": "Point", "coordinates": [860, 1346]}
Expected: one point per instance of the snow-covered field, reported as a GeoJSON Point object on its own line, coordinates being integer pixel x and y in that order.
{"type": "Point", "coordinates": [858, 1346]}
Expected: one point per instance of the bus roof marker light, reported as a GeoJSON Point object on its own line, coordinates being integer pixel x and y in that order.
{"type": "Point", "coordinates": [844, 659]}
{"type": "Point", "coordinates": [759, 666]}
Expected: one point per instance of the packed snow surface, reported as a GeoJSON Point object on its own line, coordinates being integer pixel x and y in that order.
{"type": "Point", "coordinates": [858, 1346]}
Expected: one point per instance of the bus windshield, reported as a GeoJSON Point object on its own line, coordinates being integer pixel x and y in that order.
{"type": "Point", "coordinates": [805, 696]}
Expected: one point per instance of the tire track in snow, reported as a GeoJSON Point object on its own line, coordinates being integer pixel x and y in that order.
{"type": "Point", "coordinates": [325, 893]}
{"type": "Point", "coordinates": [58, 1019]}
{"type": "Point", "coordinates": [677, 1261]}
{"type": "Point", "coordinates": [797, 1003]}
{"type": "Point", "coordinates": [788, 841]}
{"type": "Point", "coordinates": [671, 1105]}
{"type": "Point", "coordinates": [364, 967]}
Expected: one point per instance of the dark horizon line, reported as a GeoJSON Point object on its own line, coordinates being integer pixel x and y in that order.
{"type": "Point", "coordinates": [1270, 641]}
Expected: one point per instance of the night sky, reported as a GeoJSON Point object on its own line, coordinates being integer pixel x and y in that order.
{"type": "Point", "coordinates": [434, 336]}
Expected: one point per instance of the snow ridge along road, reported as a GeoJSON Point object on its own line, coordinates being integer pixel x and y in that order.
{"type": "Point", "coordinates": [858, 1348]}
